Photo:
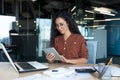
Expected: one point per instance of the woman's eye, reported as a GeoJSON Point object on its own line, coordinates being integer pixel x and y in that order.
{"type": "Point", "coordinates": [61, 24]}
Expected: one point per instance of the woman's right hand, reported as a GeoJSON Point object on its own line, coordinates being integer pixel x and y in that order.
{"type": "Point", "coordinates": [50, 57]}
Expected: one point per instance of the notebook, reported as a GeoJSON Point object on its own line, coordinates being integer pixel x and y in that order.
{"type": "Point", "coordinates": [24, 66]}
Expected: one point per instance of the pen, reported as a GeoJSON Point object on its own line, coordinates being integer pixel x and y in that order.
{"type": "Point", "coordinates": [109, 61]}
{"type": "Point", "coordinates": [105, 67]}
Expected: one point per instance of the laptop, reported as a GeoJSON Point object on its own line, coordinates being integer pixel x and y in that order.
{"type": "Point", "coordinates": [24, 66]}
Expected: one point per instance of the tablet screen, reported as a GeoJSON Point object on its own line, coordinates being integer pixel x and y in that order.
{"type": "Point", "coordinates": [52, 50]}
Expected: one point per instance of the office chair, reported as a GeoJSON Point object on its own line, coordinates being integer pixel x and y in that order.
{"type": "Point", "coordinates": [92, 49]}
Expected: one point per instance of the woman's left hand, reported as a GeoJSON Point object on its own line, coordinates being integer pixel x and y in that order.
{"type": "Point", "coordinates": [64, 59]}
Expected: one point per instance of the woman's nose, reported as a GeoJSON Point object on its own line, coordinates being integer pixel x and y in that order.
{"type": "Point", "coordinates": [59, 27]}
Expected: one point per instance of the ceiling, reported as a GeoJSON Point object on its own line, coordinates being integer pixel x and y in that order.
{"type": "Point", "coordinates": [23, 9]}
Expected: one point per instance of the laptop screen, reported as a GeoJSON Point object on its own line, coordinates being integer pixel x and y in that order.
{"type": "Point", "coordinates": [8, 56]}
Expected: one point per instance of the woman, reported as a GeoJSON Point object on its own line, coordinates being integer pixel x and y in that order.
{"type": "Point", "coordinates": [67, 40]}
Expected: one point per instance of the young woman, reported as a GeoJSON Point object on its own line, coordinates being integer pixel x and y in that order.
{"type": "Point", "coordinates": [67, 40]}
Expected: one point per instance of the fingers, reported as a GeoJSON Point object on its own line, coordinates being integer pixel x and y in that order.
{"type": "Point", "coordinates": [50, 56]}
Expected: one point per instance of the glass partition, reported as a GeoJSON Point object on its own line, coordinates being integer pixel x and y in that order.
{"type": "Point", "coordinates": [43, 27]}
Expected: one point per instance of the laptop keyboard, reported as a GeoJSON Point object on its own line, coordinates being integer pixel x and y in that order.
{"type": "Point", "coordinates": [25, 65]}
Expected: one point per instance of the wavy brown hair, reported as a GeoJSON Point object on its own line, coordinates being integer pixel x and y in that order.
{"type": "Point", "coordinates": [70, 21]}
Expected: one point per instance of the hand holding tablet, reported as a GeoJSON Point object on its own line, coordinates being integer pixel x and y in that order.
{"type": "Point", "coordinates": [52, 50]}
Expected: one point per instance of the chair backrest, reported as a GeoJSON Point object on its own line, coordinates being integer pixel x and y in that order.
{"type": "Point", "coordinates": [92, 49]}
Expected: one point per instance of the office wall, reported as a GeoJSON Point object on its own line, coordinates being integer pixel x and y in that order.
{"type": "Point", "coordinates": [5, 27]}
{"type": "Point", "coordinates": [101, 37]}
{"type": "Point", "coordinates": [113, 42]}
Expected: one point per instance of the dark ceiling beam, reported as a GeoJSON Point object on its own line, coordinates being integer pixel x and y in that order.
{"type": "Point", "coordinates": [31, 8]}
{"type": "Point", "coordinates": [26, 11]}
{"type": "Point", "coordinates": [9, 7]}
{"type": "Point", "coordinates": [17, 10]}
{"type": "Point", "coordinates": [2, 6]}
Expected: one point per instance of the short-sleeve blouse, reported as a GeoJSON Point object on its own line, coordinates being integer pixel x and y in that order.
{"type": "Point", "coordinates": [72, 48]}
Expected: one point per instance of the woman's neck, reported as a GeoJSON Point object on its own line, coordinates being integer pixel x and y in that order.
{"type": "Point", "coordinates": [66, 35]}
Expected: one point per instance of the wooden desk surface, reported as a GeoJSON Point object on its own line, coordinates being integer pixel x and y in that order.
{"type": "Point", "coordinates": [8, 73]}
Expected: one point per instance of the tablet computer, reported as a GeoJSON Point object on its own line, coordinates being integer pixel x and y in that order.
{"type": "Point", "coordinates": [52, 50]}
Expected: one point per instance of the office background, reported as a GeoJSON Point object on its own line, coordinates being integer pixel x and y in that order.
{"type": "Point", "coordinates": [28, 31]}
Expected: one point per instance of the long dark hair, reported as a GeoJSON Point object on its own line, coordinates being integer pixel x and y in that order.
{"type": "Point", "coordinates": [71, 24]}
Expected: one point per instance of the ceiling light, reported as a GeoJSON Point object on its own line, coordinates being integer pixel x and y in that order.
{"type": "Point", "coordinates": [73, 9]}
{"type": "Point", "coordinates": [113, 19]}
{"type": "Point", "coordinates": [107, 19]}
{"type": "Point", "coordinates": [89, 11]}
{"type": "Point", "coordinates": [100, 20]}
{"type": "Point", "coordinates": [102, 9]}
{"type": "Point", "coordinates": [105, 11]}
{"type": "Point", "coordinates": [74, 13]}
{"type": "Point", "coordinates": [34, 0]}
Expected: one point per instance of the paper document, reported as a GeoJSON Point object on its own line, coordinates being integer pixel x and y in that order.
{"type": "Point", "coordinates": [34, 77]}
{"type": "Point", "coordinates": [58, 72]}
{"type": "Point", "coordinates": [115, 71]}
{"type": "Point", "coordinates": [73, 76]}
{"type": "Point", "coordinates": [62, 74]}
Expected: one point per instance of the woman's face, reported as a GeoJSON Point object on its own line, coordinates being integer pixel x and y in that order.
{"type": "Point", "coordinates": [61, 25]}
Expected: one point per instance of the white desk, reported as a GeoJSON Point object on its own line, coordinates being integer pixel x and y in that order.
{"type": "Point", "coordinates": [8, 73]}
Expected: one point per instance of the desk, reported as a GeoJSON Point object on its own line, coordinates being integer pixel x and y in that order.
{"type": "Point", "coordinates": [8, 73]}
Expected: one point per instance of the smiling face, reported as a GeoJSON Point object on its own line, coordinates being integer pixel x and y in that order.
{"type": "Point", "coordinates": [61, 25]}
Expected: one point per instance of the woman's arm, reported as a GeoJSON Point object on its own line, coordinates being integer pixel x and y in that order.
{"type": "Point", "coordinates": [75, 61]}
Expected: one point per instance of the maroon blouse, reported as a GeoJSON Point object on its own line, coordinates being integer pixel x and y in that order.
{"type": "Point", "coordinates": [72, 48]}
